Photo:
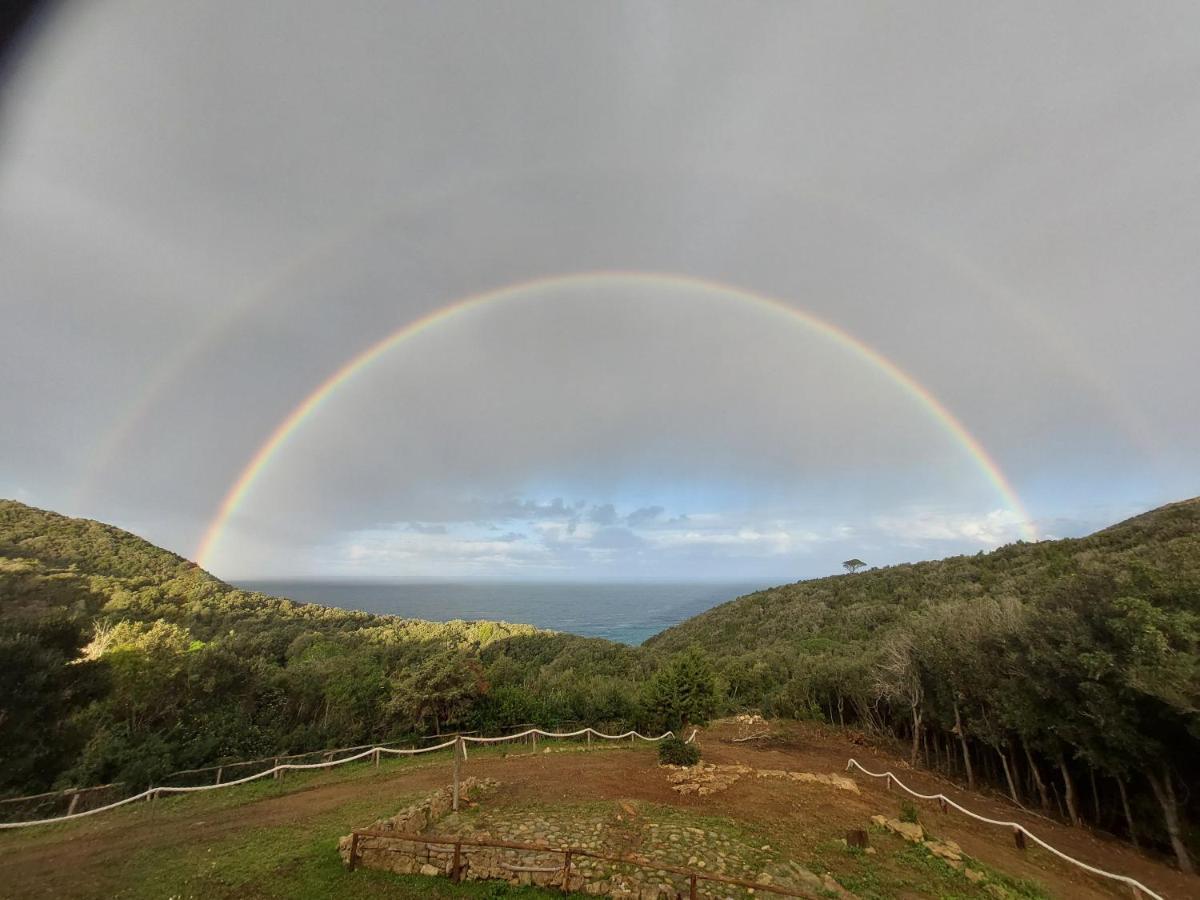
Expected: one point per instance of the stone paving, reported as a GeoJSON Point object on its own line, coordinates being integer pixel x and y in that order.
{"type": "Point", "coordinates": [705, 779]}
{"type": "Point", "coordinates": [657, 834]}
{"type": "Point", "coordinates": [649, 832]}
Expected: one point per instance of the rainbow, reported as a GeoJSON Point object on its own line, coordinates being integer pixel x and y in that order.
{"type": "Point", "coordinates": [155, 389]}
{"type": "Point", "coordinates": [237, 493]}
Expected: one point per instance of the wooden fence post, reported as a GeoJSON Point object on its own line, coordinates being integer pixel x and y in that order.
{"type": "Point", "coordinates": [566, 889]}
{"type": "Point", "coordinates": [377, 757]}
{"type": "Point", "coordinates": [279, 773]}
{"type": "Point", "coordinates": [692, 895]}
{"type": "Point", "coordinates": [454, 869]}
{"type": "Point", "coordinates": [534, 736]}
{"type": "Point", "coordinates": [1019, 838]}
{"type": "Point", "coordinates": [457, 746]}
{"type": "Point", "coordinates": [74, 803]}
{"type": "Point", "coordinates": [220, 769]}
{"type": "Point", "coordinates": [589, 737]}
{"type": "Point", "coordinates": [350, 863]}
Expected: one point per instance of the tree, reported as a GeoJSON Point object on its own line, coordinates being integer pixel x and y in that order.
{"type": "Point", "coordinates": [898, 680]}
{"type": "Point", "coordinates": [443, 688]}
{"type": "Point", "coordinates": [38, 692]}
{"type": "Point", "coordinates": [684, 691]}
{"type": "Point", "coordinates": [853, 565]}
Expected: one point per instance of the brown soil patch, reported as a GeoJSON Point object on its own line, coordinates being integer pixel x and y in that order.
{"type": "Point", "coordinates": [795, 815]}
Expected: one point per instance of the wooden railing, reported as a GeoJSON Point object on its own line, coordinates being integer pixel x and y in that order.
{"type": "Point", "coordinates": [569, 854]}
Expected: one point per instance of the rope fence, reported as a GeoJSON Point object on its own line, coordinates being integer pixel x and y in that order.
{"type": "Point", "coordinates": [1017, 828]}
{"type": "Point", "coordinates": [279, 768]}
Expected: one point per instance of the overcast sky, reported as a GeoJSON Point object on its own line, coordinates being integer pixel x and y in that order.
{"type": "Point", "coordinates": [207, 208]}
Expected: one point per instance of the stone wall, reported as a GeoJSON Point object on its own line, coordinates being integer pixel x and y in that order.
{"type": "Point", "coordinates": [618, 830]}
{"type": "Point", "coordinates": [476, 863]}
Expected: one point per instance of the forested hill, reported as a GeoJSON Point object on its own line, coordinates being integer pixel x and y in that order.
{"type": "Point", "coordinates": [1065, 672]}
{"type": "Point", "coordinates": [1157, 551]}
{"type": "Point", "coordinates": [1043, 667]}
{"type": "Point", "coordinates": [120, 661]}
{"type": "Point", "coordinates": [86, 570]}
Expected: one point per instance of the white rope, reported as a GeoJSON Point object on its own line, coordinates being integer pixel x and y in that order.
{"type": "Point", "coordinates": [399, 752]}
{"type": "Point", "coordinates": [283, 767]}
{"type": "Point", "coordinates": [153, 792]}
{"type": "Point", "coordinates": [1016, 826]}
{"type": "Point", "coordinates": [91, 812]}
{"type": "Point", "coordinates": [565, 734]}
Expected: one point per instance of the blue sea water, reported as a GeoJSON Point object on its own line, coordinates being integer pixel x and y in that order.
{"type": "Point", "coordinates": [625, 612]}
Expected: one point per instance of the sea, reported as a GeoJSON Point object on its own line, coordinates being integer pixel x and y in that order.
{"type": "Point", "coordinates": [628, 612]}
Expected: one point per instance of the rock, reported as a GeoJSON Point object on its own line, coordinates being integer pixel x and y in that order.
{"type": "Point", "coordinates": [910, 831]}
{"type": "Point", "coordinates": [974, 875]}
{"type": "Point", "coordinates": [947, 850]}
{"type": "Point", "coordinates": [996, 891]}
{"type": "Point", "coordinates": [830, 884]}
{"type": "Point", "coordinates": [840, 782]}
{"type": "Point", "coordinates": [427, 869]}
{"type": "Point", "coordinates": [749, 719]}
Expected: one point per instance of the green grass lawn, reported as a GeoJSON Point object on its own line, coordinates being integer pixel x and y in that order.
{"type": "Point", "coordinates": [288, 862]}
{"type": "Point", "coordinates": [899, 868]}
{"type": "Point", "coordinates": [294, 860]}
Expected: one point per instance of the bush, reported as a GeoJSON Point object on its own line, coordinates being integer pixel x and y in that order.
{"type": "Point", "coordinates": [908, 812]}
{"type": "Point", "coordinates": [674, 752]}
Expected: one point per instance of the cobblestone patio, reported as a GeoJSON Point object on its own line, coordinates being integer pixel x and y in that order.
{"type": "Point", "coordinates": [653, 833]}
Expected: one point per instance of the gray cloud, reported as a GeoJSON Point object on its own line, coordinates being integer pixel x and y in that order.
{"type": "Point", "coordinates": [603, 515]}
{"type": "Point", "coordinates": [195, 241]}
{"type": "Point", "coordinates": [643, 515]}
{"type": "Point", "coordinates": [426, 529]}
{"type": "Point", "coordinates": [615, 538]}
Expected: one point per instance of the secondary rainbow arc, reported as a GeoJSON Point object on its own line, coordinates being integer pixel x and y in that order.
{"type": "Point", "coordinates": [240, 488]}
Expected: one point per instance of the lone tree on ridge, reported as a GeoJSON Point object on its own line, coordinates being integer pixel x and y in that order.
{"type": "Point", "coordinates": [853, 565]}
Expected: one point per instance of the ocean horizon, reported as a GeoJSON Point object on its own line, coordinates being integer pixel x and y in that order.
{"type": "Point", "coordinates": [628, 612]}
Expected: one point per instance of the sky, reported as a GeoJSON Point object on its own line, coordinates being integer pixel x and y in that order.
{"type": "Point", "coordinates": [765, 286]}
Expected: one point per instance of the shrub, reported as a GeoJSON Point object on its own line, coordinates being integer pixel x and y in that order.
{"type": "Point", "coordinates": [908, 812]}
{"type": "Point", "coordinates": [674, 752]}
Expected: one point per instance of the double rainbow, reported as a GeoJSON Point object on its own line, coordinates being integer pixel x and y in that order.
{"type": "Point", "coordinates": [258, 463]}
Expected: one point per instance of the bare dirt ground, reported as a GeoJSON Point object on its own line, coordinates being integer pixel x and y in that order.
{"type": "Point", "coordinates": [85, 859]}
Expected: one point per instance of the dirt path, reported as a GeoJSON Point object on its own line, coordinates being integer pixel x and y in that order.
{"type": "Point", "coordinates": [823, 749]}
{"type": "Point", "coordinates": [59, 860]}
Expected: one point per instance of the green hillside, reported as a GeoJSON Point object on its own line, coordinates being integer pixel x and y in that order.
{"type": "Point", "coordinates": [1065, 673]}
{"type": "Point", "coordinates": [1158, 551]}
{"type": "Point", "coordinates": [120, 661]}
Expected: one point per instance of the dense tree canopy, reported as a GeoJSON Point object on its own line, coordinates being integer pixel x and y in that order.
{"type": "Point", "coordinates": [1041, 667]}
